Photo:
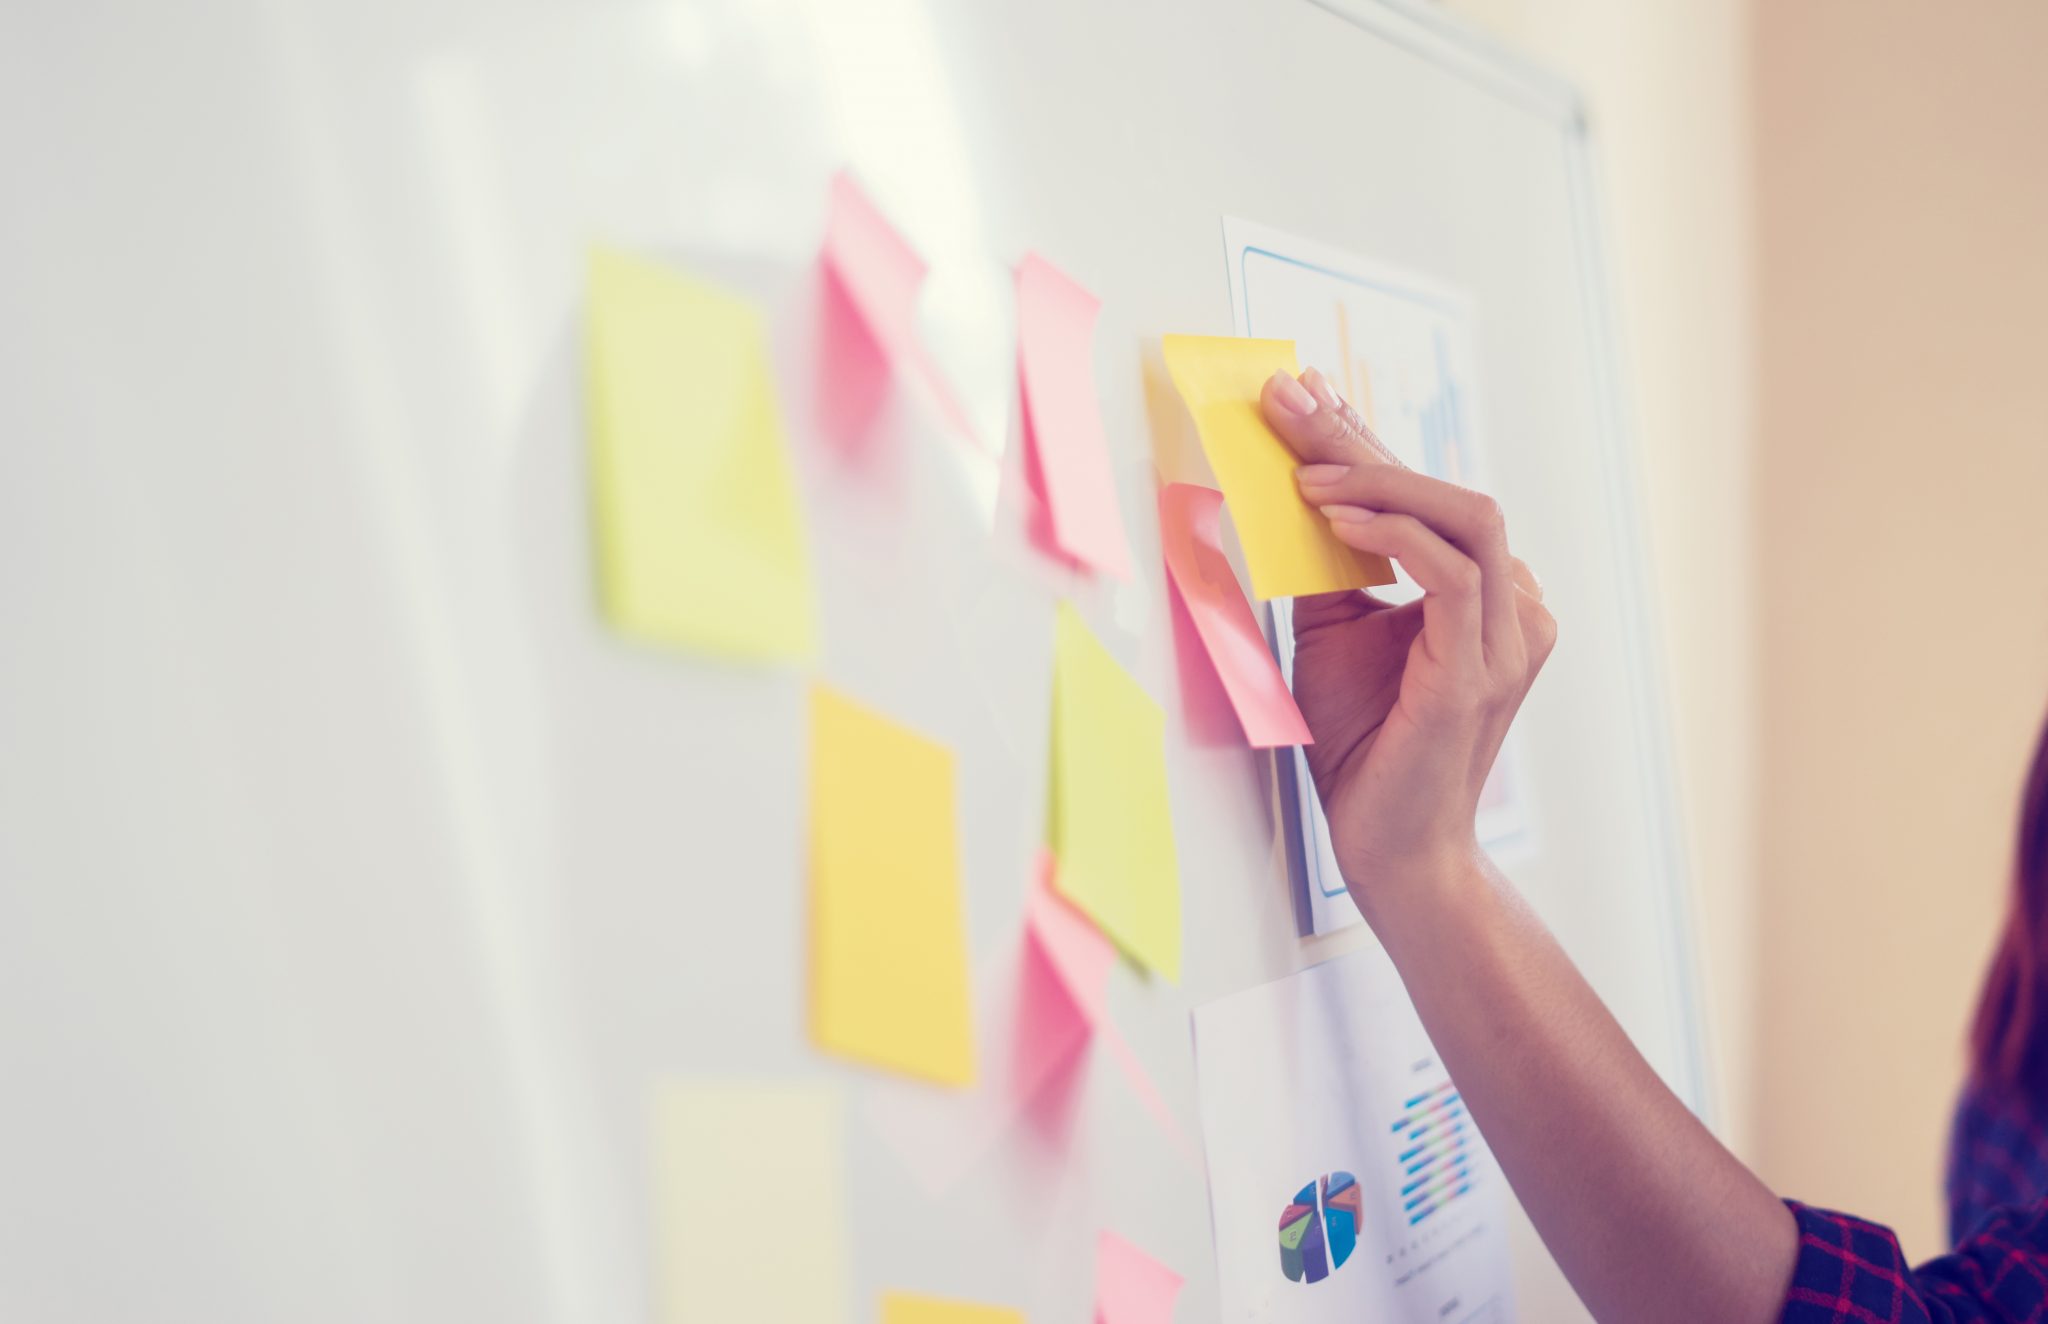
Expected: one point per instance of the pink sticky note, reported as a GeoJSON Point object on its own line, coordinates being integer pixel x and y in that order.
{"type": "Point", "coordinates": [1235, 644]}
{"type": "Point", "coordinates": [1047, 1008]}
{"type": "Point", "coordinates": [876, 267]}
{"type": "Point", "coordinates": [870, 315]}
{"type": "Point", "coordinates": [1130, 1286]}
{"type": "Point", "coordinates": [1067, 460]}
{"type": "Point", "coordinates": [1204, 703]}
{"type": "Point", "coordinates": [1032, 1039]}
{"type": "Point", "coordinates": [1081, 957]}
{"type": "Point", "coordinates": [1076, 949]}
{"type": "Point", "coordinates": [1049, 1030]}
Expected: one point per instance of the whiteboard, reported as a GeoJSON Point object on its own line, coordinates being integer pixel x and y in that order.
{"type": "Point", "coordinates": [357, 886]}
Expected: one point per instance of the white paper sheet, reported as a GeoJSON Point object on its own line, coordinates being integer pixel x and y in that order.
{"type": "Point", "coordinates": [1346, 1181]}
{"type": "Point", "coordinates": [1400, 349]}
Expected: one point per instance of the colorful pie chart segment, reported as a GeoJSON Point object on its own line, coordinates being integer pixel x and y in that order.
{"type": "Point", "coordinates": [1319, 1228]}
{"type": "Point", "coordinates": [1341, 1209]}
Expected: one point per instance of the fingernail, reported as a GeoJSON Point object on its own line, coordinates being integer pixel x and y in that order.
{"type": "Point", "coordinates": [1319, 386]}
{"type": "Point", "coordinates": [1321, 475]}
{"type": "Point", "coordinates": [1291, 396]}
{"type": "Point", "coordinates": [1349, 514]}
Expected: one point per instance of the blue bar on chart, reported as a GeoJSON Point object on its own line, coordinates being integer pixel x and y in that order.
{"type": "Point", "coordinates": [1433, 1138]}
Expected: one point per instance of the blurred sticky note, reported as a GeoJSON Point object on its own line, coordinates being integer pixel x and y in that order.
{"type": "Point", "coordinates": [732, 1163]}
{"type": "Point", "coordinates": [875, 265]}
{"type": "Point", "coordinates": [882, 278]}
{"type": "Point", "coordinates": [1130, 1286]}
{"type": "Point", "coordinates": [699, 541]}
{"type": "Point", "coordinates": [888, 939]}
{"type": "Point", "coordinates": [1188, 527]}
{"type": "Point", "coordinates": [1068, 462]}
{"type": "Point", "coordinates": [1074, 948]}
{"type": "Point", "coordinates": [1111, 827]}
{"type": "Point", "coordinates": [904, 1308]}
{"type": "Point", "coordinates": [1287, 543]}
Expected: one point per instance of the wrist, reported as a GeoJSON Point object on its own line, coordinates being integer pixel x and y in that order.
{"type": "Point", "coordinates": [1408, 901]}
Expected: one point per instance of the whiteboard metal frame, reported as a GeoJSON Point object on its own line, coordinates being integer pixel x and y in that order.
{"type": "Point", "coordinates": [1457, 47]}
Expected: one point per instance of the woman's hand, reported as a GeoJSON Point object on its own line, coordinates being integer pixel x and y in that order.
{"type": "Point", "coordinates": [1408, 704]}
{"type": "Point", "coordinates": [1651, 1219]}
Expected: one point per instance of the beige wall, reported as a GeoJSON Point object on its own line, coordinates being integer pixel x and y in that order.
{"type": "Point", "coordinates": [1902, 496]}
{"type": "Point", "coordinates": [1851, 535]}
{"type": "Point", "coordinates": [1667, 86]}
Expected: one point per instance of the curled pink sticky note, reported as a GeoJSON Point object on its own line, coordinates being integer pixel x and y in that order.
{"type": "Point", "coordinates": [869, 317]}
{"type": "Point", "coordinates": [1237, 649]}
{"type": "Point", "coordinates": [1067, 461]}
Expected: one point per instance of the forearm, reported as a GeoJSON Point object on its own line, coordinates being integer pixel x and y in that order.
{"type": "Point", "coordinates": [1646, 1212]}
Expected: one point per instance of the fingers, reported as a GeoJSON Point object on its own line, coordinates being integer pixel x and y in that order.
{"type": "Point", "coordinates": [1539, 633]}
{"type": "Point", "coordinates": [1525, 579]}
{"type": "Point", "coordinates": [1450, 580]}
{"type": "Point", "coordinates": [1316, 424]}
{"type": "Point", "coordinates": [1316, 610]}
{"type": "Point", "coordinates": [1469, 521]}
{"type": "Point", "coordinates": [1445, 532]}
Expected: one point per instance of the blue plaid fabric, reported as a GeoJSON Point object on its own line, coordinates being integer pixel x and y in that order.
{"type": "Point", "coordinates": [1997, 1156]}
{"type": "Point", "coordinates": [1853, 1272]}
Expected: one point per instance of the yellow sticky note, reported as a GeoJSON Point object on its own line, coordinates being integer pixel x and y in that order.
{"type": "Point", "coordinates": [750, 1202]}
{"type": "Point", "coordinates": [888, 940]}
{"type": "Point", "coordinates": [1287, 543]}
{"type": "Point", "coordinates": [699, 540]}
{"type": "Point", "coordinates": [1111, 825]}
{"type": "Point", "coordinates": [903, 1308]}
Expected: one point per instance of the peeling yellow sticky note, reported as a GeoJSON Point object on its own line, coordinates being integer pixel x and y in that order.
{"type": "Point", "coordinates": [699, 540]}
{"type": "Point", "coordinates": [1287, 544]}
{"type": "Point", "coordinates": [740, 1169]}
{"type": "Point", "coordinates": [1111, 826]}
{"type": "Point", "coordinates": [888, 940]}
{"type": "Point", "coordinates": [903, 1308]}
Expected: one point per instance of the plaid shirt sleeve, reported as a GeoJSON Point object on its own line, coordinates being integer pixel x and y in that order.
{"type": "Point", "coordinates": [1853, 1272]}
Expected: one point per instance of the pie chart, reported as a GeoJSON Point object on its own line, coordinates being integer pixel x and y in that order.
{"type": "Point", "coordinates": [1319, 1228]}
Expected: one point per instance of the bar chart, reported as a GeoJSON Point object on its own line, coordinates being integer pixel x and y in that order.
{"type": "Point", "coordinates": [1433, 1138]}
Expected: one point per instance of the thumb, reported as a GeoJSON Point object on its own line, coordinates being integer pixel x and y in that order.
{"type": "Point", "coordinates": [1317, 424]}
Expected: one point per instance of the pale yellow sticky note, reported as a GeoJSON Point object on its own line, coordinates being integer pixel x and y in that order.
{"type": "Point", "coordinates": [888, 941]}
{"type": "Point", "coordinates": [1287, 543]}
{"type": "Point", "coordinates": [1111, 825]}
{"type": "Point", "coordinates": [903, 1308]}
{"type": "Point", "coordinates": [699, 541]}
{"type": "Point", "coordinates": [750, 1202]}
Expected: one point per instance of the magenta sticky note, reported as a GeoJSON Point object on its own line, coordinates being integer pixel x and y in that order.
{"type": "Point", "coordinates": [1130, 1286]}
{"type": "Point", "coordinates": [1068, 459]}
{"type": "Point", "coordinates": [1189, 530]}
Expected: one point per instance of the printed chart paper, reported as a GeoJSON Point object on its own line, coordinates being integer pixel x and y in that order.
{"type": "Point", "coordinates": [1400, 349]}
{"type": "Point", "coordinates": [1346, 1180]}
